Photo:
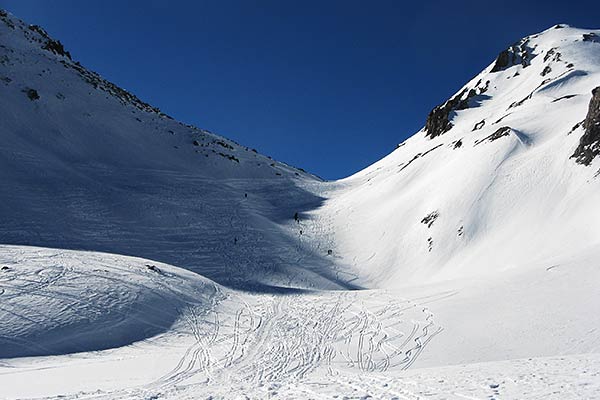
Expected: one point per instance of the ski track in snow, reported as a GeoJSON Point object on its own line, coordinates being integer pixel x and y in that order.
{"type": "Point", "coordinates": [307, 345]}
{"type": "Point", "coordinates": [236, 339]}
{"type": "Point", "coordinates": [266, 306]}
{"type": "Point", "coordinates": [283, 339]}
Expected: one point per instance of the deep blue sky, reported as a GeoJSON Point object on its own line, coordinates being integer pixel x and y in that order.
{"type": "Point", "coordinates": [330, 86]}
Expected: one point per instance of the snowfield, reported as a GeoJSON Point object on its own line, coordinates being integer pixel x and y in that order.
{"type": "Point", "coordinates": [302, 344]}
{"type": "Point", "coordinates": [58, 301]}
{"type": "Point", "coordinates": [141, 258]}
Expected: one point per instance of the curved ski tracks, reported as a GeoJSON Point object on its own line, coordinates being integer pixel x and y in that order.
{"type": "Point", "coordinates": [256, 343]}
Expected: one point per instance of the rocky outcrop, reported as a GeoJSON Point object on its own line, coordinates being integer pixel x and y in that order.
{"type": "Point", "coordinates": [546, 71]}
{"type": "Point", "coordinates": [38, 36]}
{"type": "Point", "coordinates": [121, 94]}
{"type": "Point", "coordinates": [553, 55]}
{"type": "Point", "coordinates": [438, 121]}
{"type": "Point", "coordinates": [501, 132]}
{"type": "Point", "coordinates": [479, 125]}
{"type": "Point", "coordinates": [417, 156]}
{"type": "Point", "coordinates": [589, 144]}
{"type": "Point", "coordinates": [5, 18]}
{"type": "Point", "coordinates": [430, 218]}
{"type": "Point", "coordinates": [32, 94]}
{"type": "Point", "coordinates": [591, 37]}
{"type": "Point", "coordinates": [54, 46]}
{"type": "Point", "coordinates": [518, 53]}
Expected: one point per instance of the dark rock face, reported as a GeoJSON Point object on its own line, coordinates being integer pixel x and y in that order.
{"type": "Point", "coordinates": [552, 55]}
{"type": "Point", "coordinates": [575, 127]}
{"type": "Point", "coordinates": [549, 54]}
{"type": "Point", "coordinates": [546, 70]}
{"type": "Point", "coordinates": [430, 218]}
{"type": "Point", "coordinates": [591, 37]}
{"type": "Point", "coordinates": [518, 53]}
{"type": "Point", "coordinates": [229, 157]}
{"type": "Point", "coordinates": [32, 94]}
{"type": "Point", "coordinates": [54, 46]}
{"type": "Point", "coordinates": [123, 95]}
{"type": "Point", "coordinates": [566, 97]}
{"type": "Point", "coordinates": [501, 132]}
{"type": "Point", "coordinates": [438, 120]}
{"type": "Point", "coordinates": [479, 125]}
{"type": "Point", "coordinates": [503, 60]}
{"type": "Point", "coordinates": [417, 156]}
{"type": "Point", "coordinates": [4, 17]}
{"type": "Point", "coordinates": [589, 144]}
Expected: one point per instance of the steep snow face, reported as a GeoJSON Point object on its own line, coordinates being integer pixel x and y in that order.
{"type": "Point", "coordinates": [490, 183]}
{"type": "Point", "coordinates": [86, 165]}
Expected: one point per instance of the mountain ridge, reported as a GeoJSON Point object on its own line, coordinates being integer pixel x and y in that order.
{"type": "Point", "coordinates": [143, 258]}
{"type": "Point", "coordinates": [517, 121]}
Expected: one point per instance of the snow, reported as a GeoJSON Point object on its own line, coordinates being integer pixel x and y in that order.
{"type": "Point", "coordinates": [227, 343]}
{"type": "Point", "coordinates": [65, 302]}
{"type": "Point", "coordinates": [144, 258]}
{"type": "Point", "coordinates": [519, 199]}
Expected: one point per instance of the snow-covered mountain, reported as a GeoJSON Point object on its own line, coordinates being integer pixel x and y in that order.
{"type": "Point", "coordinates": [503, 174]}
{"type": "Point", "coordinates": [196, 267]}
{"type": "Point", "coordinates": [87, 165]}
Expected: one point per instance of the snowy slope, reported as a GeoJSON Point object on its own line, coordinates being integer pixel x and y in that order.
{"type": "Point", "coordinates": [59, 301]}
{"type": "Point", "coordinates": [227, 344]}
{"type": "Point", "coordinates": [497, 190]}
{"type": "Point", "coordinates": [86, 165]}
{"type": "Point", "coordinates": [141, 258]}
{"type": "Point", "coordinates": [489, 204]}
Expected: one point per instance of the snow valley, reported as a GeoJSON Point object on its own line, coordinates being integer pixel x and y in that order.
{"type": "Point", "coordinates": [143, 258]}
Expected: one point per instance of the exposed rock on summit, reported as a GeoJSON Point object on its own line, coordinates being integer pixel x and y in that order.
{"type": "Point", "coordinates": [591, 37]}
{"type": "Point", "coordinates": [52, 45]}
{"type": "Point", "coordinates": [438, 121]}
{"type": "Point", "coordinates": [589, 144]}
{"type": "Point", "coordinates": [518, 53]}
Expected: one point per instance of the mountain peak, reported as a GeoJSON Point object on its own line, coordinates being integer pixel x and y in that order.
{"type": "Point", "coordinates": [537, 67]}
{"type": "Point", "coordinates": [477, 239]}
{"type": "Point", "coordinates": [39, 75]}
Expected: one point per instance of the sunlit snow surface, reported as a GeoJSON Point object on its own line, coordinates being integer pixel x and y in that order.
{"type": "Point", "coordinates": [199, 268]}
{"type": "Point", "coordinates": [311, 344]}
